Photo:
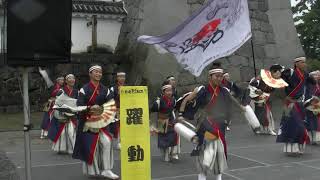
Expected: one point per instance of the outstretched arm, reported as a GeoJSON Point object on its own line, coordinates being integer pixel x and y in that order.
{"type": "Point", "coordinates": [189, 98]}
{"type": "Point", "coordinates": [234, 101]}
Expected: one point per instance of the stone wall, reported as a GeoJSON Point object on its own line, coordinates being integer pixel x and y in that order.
{"type": "Point", "coordinates": [10, 85]}
{"type": "Point", "coordinates": [10, 79]}
{"type": "Point", "coordinates": [280, 16]}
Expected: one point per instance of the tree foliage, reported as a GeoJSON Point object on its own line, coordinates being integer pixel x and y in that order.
{"type": "Point", "coordinates": [302, 5]}
{"type": "Point", "coordinates": [307, 20]}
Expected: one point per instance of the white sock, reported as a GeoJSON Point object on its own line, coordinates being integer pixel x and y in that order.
{"type": "Point", "coordinates": [219, 177]}
{"type": "Point", "coordinates": [202, 176]}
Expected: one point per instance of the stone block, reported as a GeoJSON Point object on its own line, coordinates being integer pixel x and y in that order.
{"type": "Point", "coordinates": [266, 27]}
{"type": "Point", "coordinates": [194, 7]}
{"type": "Point", "coordinates": [35, 108]}
{"type": "Point", "coordinates": [235, 74]}
{"type": "Point", "coordinates": [2, 109]}
{"type": "Point", "coordinates": [237, 60]}
{"type": "Point", "coordinates": [36, 82]}
{"type": "Point", "coordinates": [83, 69]}
{"type": "Point", "coordinates": [245, 50]}
{"type": "Point", "coordinates": [263, 17]}
{"type": "Point", "coordinates": [14, 109]}
{"type": "Point", "coordinates": [259, 37]}
{"type": "Point", "coordinates": [5, 73]}
{"type": "Point", "coordinates": [253, 5]}
{"type": "Point", "coordinates": [259, 63]}
{"type": "Point", "coordinates": [252, 14]}
{"type": "Point", "coordinates": [278, 60]}
{"type": "Point", "coordinates": [270, 38]}
{"type": "Point", "coordinates": [2, 99]}
{"type": "Point", "coordinates": [271, 51]}
{"type": "Point", "coordinates": [110, 68]}
{"type": "Point", "coordinates": [269, 61]}
{"type": "Point", "coordinates": [108, 79]}
{"type": "Point", "coordinates": [186, 78]}
{"type": "Point", "coordinates": [203, 77]}
{"type": "Point", "coordinates": [279, 4]}
{"type": "Point", "coordinates": [246, 73]}
{"type": "Point", "coordinates": [63, 68]}
{"type": "Point", "coordinates": [263, 6]}
{"type": "Point", "coordinates": [195, 1]}
{"type": "Point", "coordinates": [255, 24]}
{"type": "Point", "coordinates": [259, 51]}
{"type": "Point", "coordinates": [13, 98]}
{"type": "Point", "coordinates": [185, 89]}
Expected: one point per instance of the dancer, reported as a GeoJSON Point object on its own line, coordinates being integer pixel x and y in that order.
{"type": "Point", "coordinates": [260, 90]}
{"type": "Point", "coordinates": [233, 89]}
{"type": "Point", "coordinates": [214, 102]}
{"type": "Point", "coordinates": [167, 137]}
{"type": "Point", "coordinates": [172, 81]}
{"type": "Point", "coordinates": [115, 127]}
{"type": "Point", "coordinates": [292, 132]}
{"type": "Point", "coordinates": [313, 117]}
{"type": "Point", "coordinates": [62, 130]}
{"type": "Point", "coordinates": [94, 145]}
{"type": "Point", "coordinates": [48, 108]}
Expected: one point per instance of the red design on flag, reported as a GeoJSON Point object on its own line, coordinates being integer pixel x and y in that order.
{"type": "Point", "coordinates": [206, 31]}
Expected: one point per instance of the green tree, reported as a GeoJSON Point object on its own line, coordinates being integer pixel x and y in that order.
{"type": "Point", "coordinates": [307, 19]}
{"type": "Point", "coordinates": [313, 64]}
{"type": "Point", "coordinates": [302, 5]}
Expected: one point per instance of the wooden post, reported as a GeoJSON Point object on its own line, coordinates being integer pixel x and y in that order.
{"type": "Point", "coordinates": [94, 33]}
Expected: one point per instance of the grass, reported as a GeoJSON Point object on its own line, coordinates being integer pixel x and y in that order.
{"type": "Point", "coordinates": [14, 122]}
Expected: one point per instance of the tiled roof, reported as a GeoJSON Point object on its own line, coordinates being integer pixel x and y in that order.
{"type": "Point", "coordinates": [94, 7]}
{"type": "Point", "coordinates": [98, 7]}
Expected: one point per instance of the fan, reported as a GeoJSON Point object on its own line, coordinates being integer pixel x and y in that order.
{"type": "Point", "coordinates": [270, 81]}
{"type": "Point", "coordinates": [101, 116]}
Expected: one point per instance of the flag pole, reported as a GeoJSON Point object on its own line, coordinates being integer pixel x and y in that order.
{"type": "Point", "coordinates": [253, 59]}
{"type": "Point", "coordinates": [26, 129]}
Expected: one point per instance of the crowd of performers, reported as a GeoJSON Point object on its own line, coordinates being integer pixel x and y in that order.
{"type": "Point", "coordinates": [201, 116]}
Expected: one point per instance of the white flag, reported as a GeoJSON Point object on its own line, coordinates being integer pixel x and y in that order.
{"type": "Point", "coordinates": [217, 30]}
{"type": "Point", "coordinates": [45, 76]}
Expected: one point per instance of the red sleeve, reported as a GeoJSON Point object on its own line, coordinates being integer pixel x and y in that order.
{"type": "Point", "coordinates": [55, 91]}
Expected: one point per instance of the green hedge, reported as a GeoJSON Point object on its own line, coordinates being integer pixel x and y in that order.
{"type": "Point", "coordinates": [313, 64]}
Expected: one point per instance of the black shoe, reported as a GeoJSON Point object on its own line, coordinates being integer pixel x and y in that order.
{"type": "Point", "coordinates": [195, 152]}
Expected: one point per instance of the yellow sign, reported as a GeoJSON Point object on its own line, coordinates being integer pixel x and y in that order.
{"type": "Point", "coordinates": [134, 133]}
